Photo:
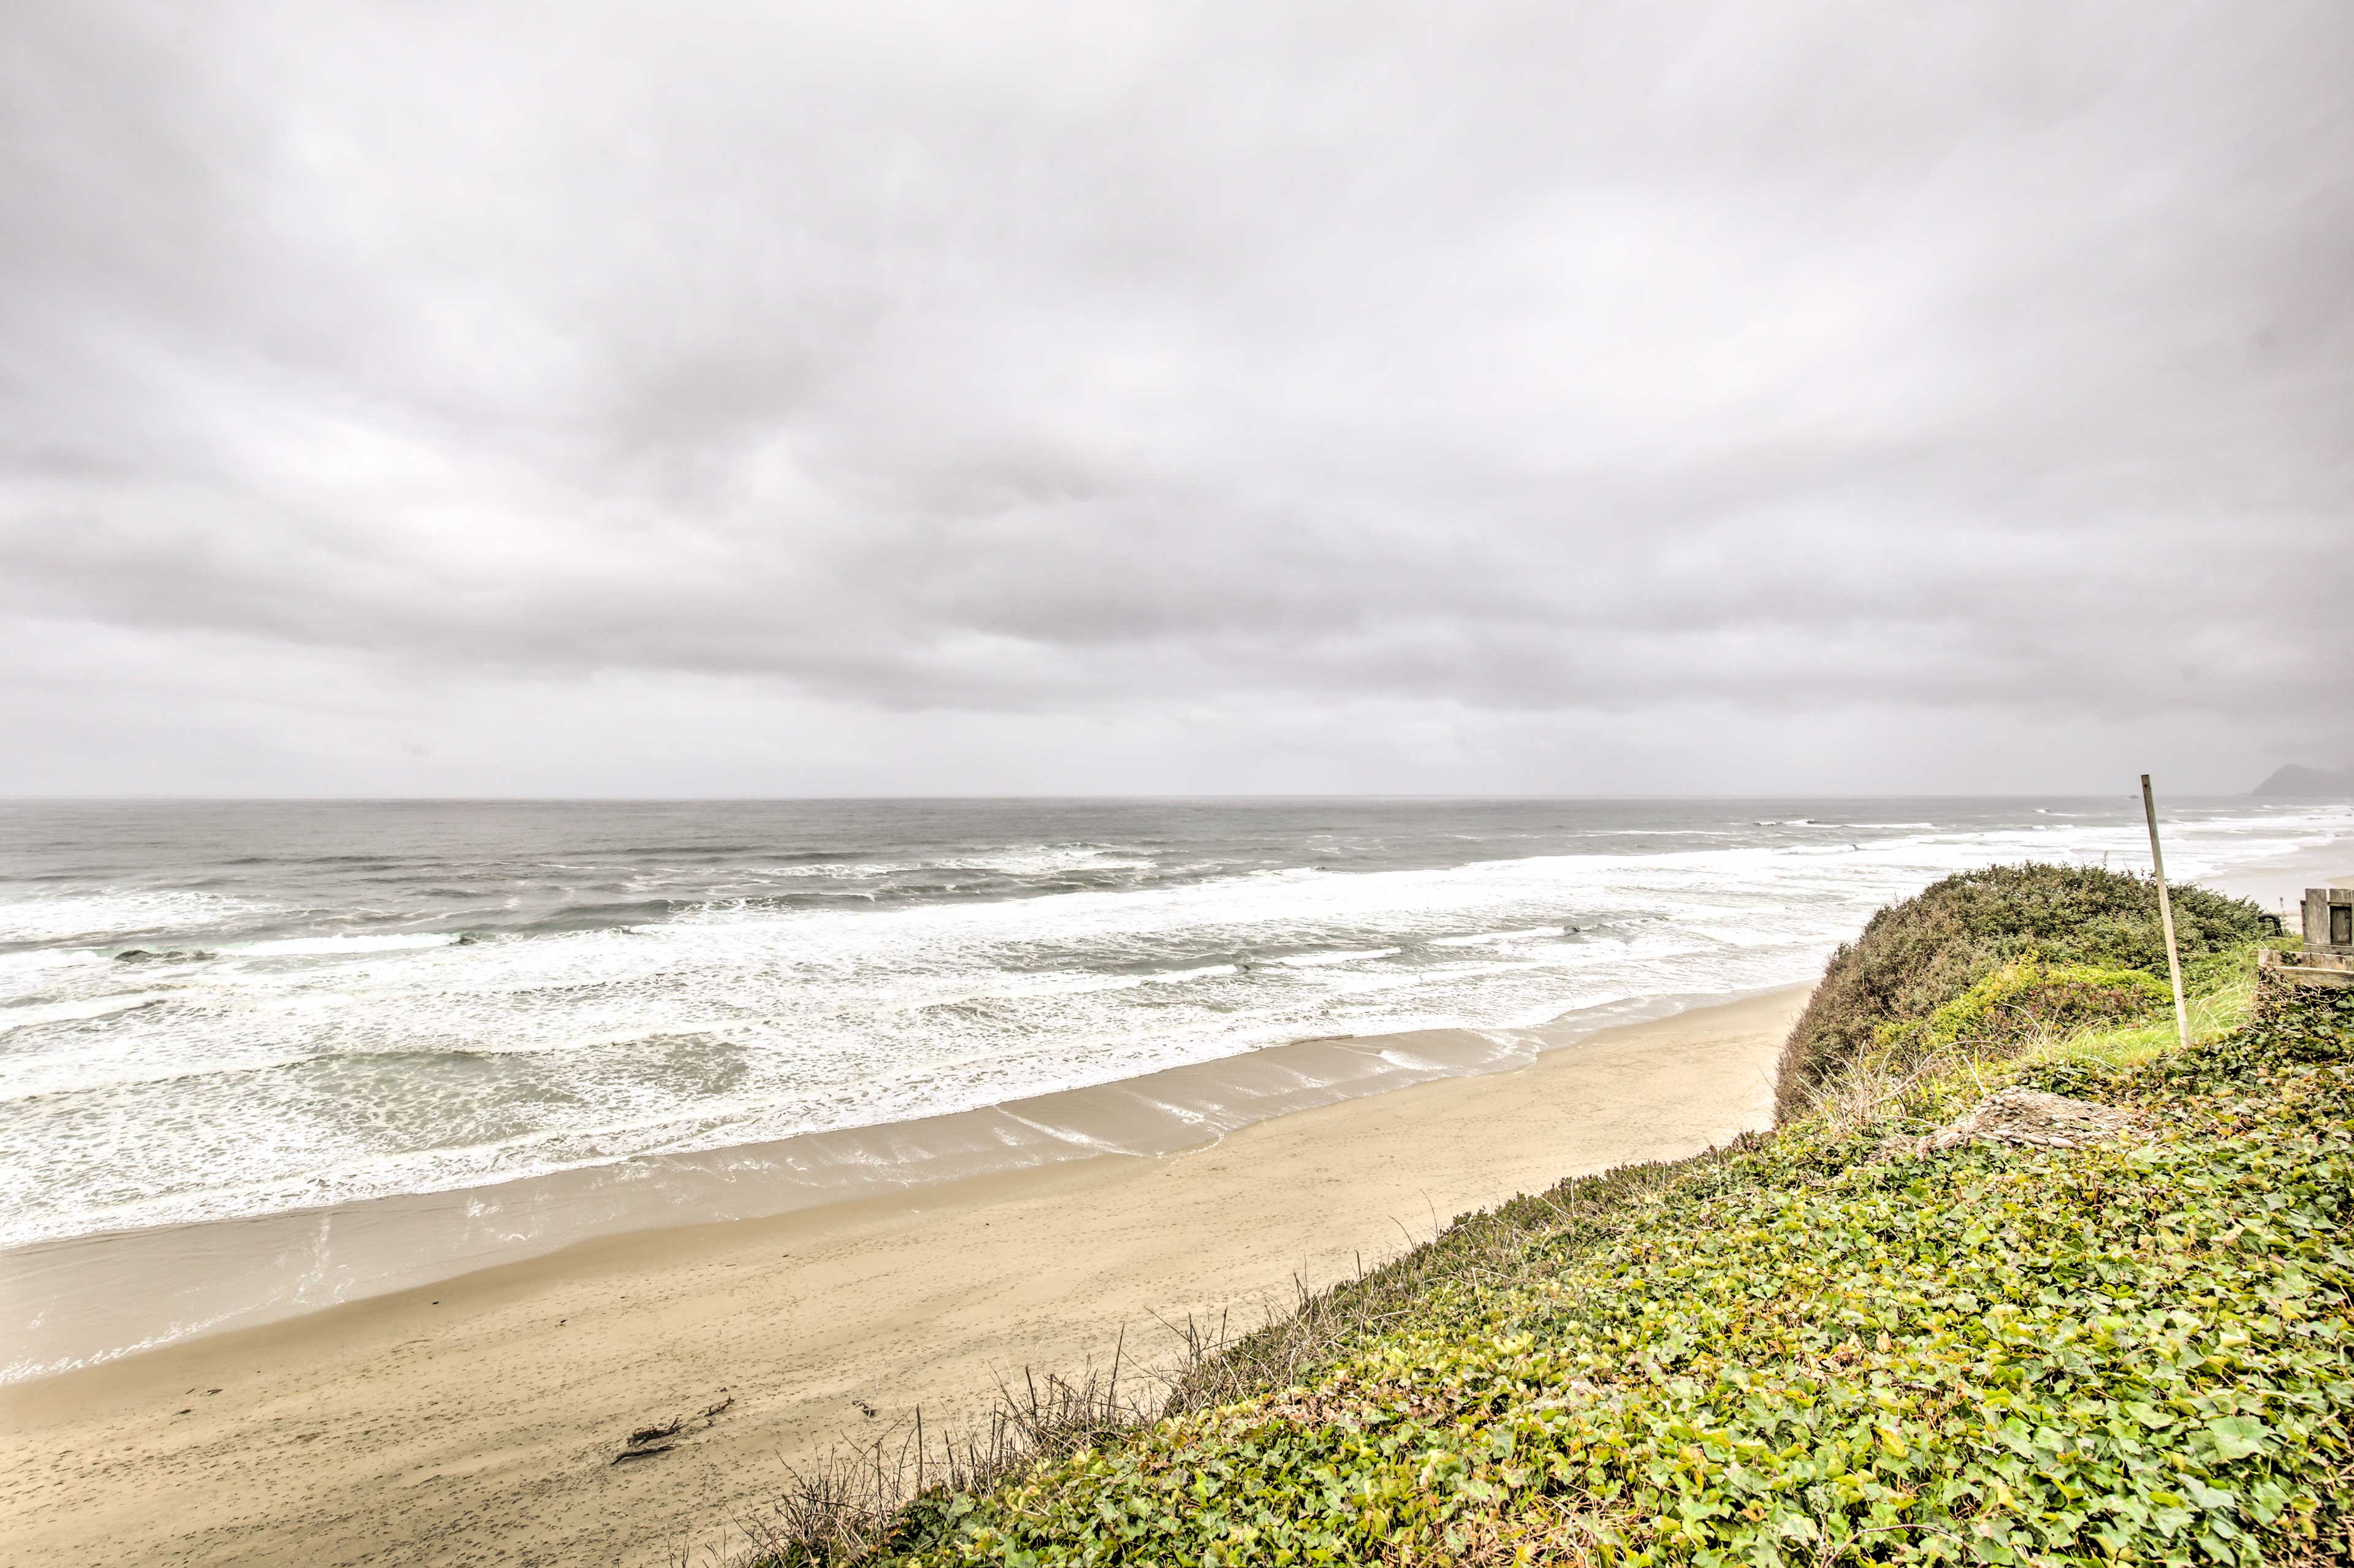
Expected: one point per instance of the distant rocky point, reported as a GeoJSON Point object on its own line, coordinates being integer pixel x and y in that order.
{"type": "Point", "coordinates": [2298, 781]}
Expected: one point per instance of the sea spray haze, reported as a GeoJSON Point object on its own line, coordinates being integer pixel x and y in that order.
{"type": "Point", "coordinates": [216, 1009]}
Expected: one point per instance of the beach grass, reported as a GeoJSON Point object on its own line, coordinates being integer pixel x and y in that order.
{"type": "Point", "coordinates": [1792, 1351]}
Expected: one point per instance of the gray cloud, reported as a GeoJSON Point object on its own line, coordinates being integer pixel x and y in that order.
{"type": "Point", "coordinates": [1044, 398]}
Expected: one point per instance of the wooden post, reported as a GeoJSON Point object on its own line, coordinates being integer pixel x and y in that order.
{"type": "Point", "coordinates": [2166, 915]}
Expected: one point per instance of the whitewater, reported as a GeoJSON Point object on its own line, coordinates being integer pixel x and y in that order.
{"type": "Point", "coordinates": [217, 1010]}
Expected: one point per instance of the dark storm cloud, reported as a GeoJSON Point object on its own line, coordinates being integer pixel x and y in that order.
{"type": "Point", "coordinates": [1052, 361]}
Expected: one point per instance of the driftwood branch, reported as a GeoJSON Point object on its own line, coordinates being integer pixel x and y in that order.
{"type": "Point", "coordinates": [648, 1441]}
{"type": "Point", "coordinates": [628, 1454]}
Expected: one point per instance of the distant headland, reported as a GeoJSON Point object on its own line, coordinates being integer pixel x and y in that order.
{"type": "Point", "coordinates": [2296, 780]}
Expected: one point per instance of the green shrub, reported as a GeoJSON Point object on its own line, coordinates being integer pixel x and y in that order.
{"type": "Point", "coordinates": [1915, 956]}
{"type": "Point", "coordinates": [2026, 998]}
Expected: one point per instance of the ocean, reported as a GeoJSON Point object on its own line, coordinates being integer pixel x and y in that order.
{"type": "Point", "coordinates": [219, 1011]}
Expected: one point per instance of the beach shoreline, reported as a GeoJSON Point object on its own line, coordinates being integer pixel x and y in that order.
{"type": "Point", "coordinates": [474, 1419]}
{"type": "Point", "coordinates": [2275, 886]}
{"type": "Point", "coordinates": [84, 1301]}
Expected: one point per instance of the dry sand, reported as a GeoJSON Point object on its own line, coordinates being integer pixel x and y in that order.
{"type": "Point", "coordinates": [475, 1421]}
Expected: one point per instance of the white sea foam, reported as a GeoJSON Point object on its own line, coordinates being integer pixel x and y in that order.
{"type": "Point", "coordinates": [21, 970]}
{"type": "Point", "coordinates": [1047, 861]}
{"type": "Point", "coordinates": [98, 916]}
{"type": "Point", "coordinates": [1490, 938]}
{"type": "Point", "coordinates": [345, 946]}
{"type": "Point", "coordinates": [27, 1015]}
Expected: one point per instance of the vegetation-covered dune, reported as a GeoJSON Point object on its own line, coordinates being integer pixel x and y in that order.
{"type": "Point", "coordinates": [1819, 1346]}
{"type": "Point", "coordinates": [2009, 949]}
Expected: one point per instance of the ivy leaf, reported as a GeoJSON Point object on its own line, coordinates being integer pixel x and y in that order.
{"type": "Point", "coordinates": [2237, 1437]}
{"type": "Point", "coordinates": [2212, 1499]}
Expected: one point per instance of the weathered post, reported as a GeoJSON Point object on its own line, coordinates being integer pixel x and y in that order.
{"type": "Point", "coordinates": [2166, 915]}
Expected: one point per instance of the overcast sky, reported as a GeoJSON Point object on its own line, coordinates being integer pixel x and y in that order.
{"type": "Point", "coordinates": [779, 399]}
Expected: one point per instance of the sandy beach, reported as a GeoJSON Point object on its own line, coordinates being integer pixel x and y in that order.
{"type": "Point", "coordinates": [475, 1421]}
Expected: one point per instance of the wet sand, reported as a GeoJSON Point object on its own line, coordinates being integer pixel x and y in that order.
{"type": "Point", "coordinates": [474, 1420]}
{"type": "Point", "coordinates": [2278, 885]}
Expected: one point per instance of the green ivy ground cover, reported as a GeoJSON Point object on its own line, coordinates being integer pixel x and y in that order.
{"type": "Point", "coordinates": [2137, 1352]}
